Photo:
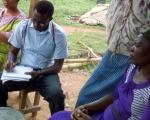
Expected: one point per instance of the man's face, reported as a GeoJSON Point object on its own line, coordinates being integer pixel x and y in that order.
{"type": "Point", "coordinates": [40, 21]}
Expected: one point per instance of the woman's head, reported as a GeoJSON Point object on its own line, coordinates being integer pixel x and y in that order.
{"type": "Point", "coordinates": [140, 52]}
{"type": "Point", "coordinates": [10, 4]}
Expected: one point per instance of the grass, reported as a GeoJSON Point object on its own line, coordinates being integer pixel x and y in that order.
{"type": "Point", "coordinates": [98, 44]}
{"type": "Point", "coordinates": [64, 9]}
{"type": "Point", "coordinates": [67, 8]}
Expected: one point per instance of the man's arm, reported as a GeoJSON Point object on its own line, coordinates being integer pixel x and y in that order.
{"type": "Point", "coordinates": [12, 58]}
{"type": "Point", "coordinates": [54, 68]}
{"type": "Point", "coordinates": [49, 70]}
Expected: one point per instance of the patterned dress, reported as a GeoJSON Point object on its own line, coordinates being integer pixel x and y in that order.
{"type": "Point", "coordinates": [7, 25]}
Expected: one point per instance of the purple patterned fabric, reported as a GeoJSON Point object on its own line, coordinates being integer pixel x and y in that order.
{"type": "Point", "coordinates": [132, 101]}
{"type": "Point", "coordinates": [7, 24]}
{"type": "Point", "coordinates": [7, 20]}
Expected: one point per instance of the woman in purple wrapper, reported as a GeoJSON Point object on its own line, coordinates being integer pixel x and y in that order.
{"type": "Point", "coordinates": [130, 100]}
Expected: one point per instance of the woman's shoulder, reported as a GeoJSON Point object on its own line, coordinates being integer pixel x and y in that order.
{"type": "Point", "coordinates": [22, 15]}
{"type": "Point", "coordinates": [129, 72]}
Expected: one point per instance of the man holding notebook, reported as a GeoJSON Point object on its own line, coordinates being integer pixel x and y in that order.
{"type": "Point", "coordinates": [43, 47]}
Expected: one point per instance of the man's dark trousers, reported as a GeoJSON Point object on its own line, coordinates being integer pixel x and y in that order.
{"type": "Point", "coordinates": [48, 86]}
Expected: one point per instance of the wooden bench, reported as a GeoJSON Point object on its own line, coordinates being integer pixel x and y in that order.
{"type": "Point", "coordinates": [28, 106]}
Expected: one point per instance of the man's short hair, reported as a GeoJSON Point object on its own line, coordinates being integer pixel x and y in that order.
{"type": "Point", "coordinates": [44, 7]}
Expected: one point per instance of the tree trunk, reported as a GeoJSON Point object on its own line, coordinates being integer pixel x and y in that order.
{"type": "Point", "coordinates": [32, 4]}
{"type": "Point", "coordinates": [81, 60]}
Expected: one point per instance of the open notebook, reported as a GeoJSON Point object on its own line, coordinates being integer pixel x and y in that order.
{"type": "Point", "coordinates": [17, 74]}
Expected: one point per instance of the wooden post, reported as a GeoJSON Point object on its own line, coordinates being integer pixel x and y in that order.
{"type": "Point", "coordinates": [32, 3]}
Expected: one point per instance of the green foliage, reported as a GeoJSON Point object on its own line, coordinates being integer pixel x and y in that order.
{"type": "Point", "coordinates": [3, 54]}
{"type": "Point", "coordinates": [67, 8]}
{"type": "Point", "coordinates": [64, 9]}
{"type": "Point", "coordinates": [95, 40]}
{"type": "Point", "coordinates": [24, 6]}
{"type": "Point", "coordinates": [90, 67]}
{"type": "Point", "coordinates": [108, 1]}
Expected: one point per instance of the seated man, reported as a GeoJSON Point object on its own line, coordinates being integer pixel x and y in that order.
{"type": "Point", "coordinates": [42, 44]}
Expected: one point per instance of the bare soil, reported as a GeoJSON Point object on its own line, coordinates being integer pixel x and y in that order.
{"type": "Point", "coordinates": [71, 29]}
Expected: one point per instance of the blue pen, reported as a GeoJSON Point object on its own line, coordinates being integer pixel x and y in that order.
{"type": "Point", "coordinates": [10, 59]}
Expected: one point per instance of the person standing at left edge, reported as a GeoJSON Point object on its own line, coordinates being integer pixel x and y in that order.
{"type": "Point", "coordinates": [43, 46]}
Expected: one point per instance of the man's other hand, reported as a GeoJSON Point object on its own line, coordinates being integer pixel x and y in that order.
{"type": "Point", "coordinates": [34, 74]}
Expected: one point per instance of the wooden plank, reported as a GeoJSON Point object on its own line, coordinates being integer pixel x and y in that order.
{"type": "Point", "coordinates": [32, 4]}
{"type": "Point", "coordinates": [23, 95]}
{"type": "Point", "coordinates": [31, 109]}
{"type": "Point", "coordinates": [81, 60]}
{"type": "Point", "coordinates": [36, 102]}
{"type": "Point", "coordinates": [28, 102]}
{"type": "Point", "coordinates": [26, 105]}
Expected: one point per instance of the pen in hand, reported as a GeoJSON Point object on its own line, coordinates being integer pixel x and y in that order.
{"type": "Point", "coordinates": [9, 65]}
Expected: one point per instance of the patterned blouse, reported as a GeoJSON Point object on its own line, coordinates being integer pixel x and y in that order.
{"type": "Point", "coordinates": [125, 20]}
{"type": "Point", "coordinates": [7, 25]}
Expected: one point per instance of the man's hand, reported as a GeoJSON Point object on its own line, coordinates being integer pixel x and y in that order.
{"type": "Point", "coordinates": [9, 65]}
{"type": "Point", "coordinates": [11, 60]}
{"type": "Point", "coordinates": [34, 74]}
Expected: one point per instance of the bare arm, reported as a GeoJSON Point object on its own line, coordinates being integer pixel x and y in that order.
{"type": "Point", "coordinates": [50, 70]}
{"type": "Point", "coordinates": [54, 68]}
{"type": "Point", "coordinates": [99, 105]}
{"type": "Point", "coordinates": [3, 37]}
{"type": "Point", "coordinates": [12, 58]}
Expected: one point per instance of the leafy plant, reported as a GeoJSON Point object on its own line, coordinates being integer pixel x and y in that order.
{"type": "Point", "coordinates": [64, 9]}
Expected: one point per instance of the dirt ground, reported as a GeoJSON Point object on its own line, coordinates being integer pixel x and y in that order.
{"type": "Point", "coordinates": [70, 29]}
{"type": "Point", "coordinates": [71, 81]}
